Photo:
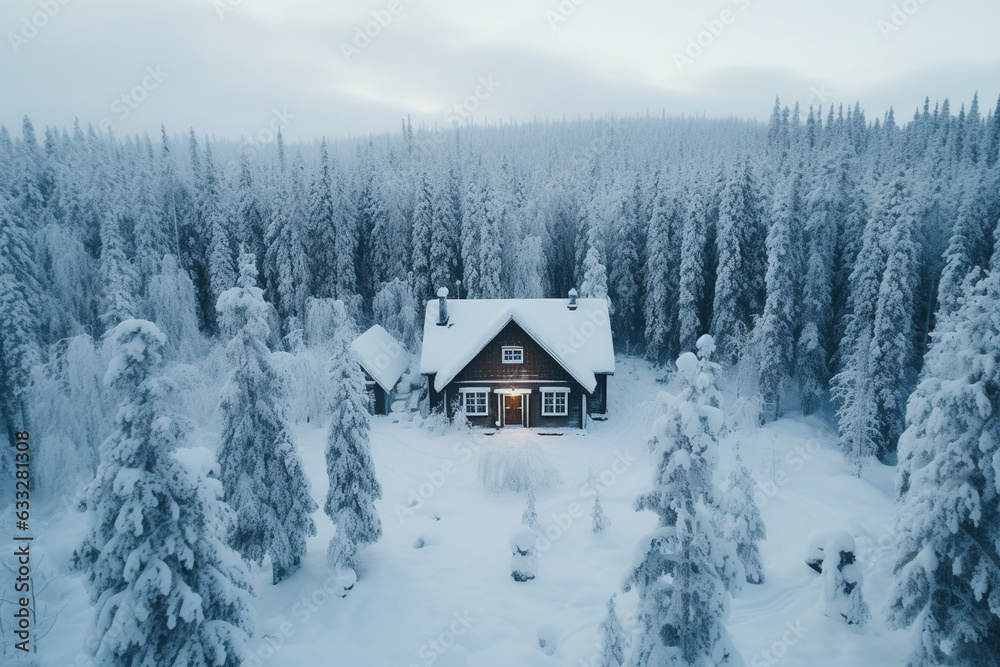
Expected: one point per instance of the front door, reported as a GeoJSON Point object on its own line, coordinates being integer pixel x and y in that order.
{"type": "Point", "coordinates": [512, 409]}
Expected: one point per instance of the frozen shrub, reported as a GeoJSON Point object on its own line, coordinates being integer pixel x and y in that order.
{"type": "Point", "coordinates": [524, 560]}
{"type": "Point", "coordinates": [516, 469]}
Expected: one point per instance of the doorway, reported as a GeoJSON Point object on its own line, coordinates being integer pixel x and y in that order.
{"type": "Point", "coordinates": [513, 410]}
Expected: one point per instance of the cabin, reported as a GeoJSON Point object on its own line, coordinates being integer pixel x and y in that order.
{"type": "Point", "coordinates": [383, 360]}
{"type": "Point", "coordinates": [534, 363]}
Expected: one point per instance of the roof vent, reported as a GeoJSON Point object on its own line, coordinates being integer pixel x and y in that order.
{"type": "Point", "coordinates": [572, 299]}
{"type": "Point", "coordinates": [442, 307]}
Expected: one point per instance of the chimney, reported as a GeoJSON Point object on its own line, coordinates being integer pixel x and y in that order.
{"type": "Point", "coordinates": [572, 299]}
{"type": "Point", "coordinates": [442, 307]}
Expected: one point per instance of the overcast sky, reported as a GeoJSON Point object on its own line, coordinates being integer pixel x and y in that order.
{"type": "Point", "coordinates": [234, 67]}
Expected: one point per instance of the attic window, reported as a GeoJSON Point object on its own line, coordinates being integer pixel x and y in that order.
{"type": "Point", "coordinates": [512, 355]}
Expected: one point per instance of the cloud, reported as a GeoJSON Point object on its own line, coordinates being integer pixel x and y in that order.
{"type": "Point", "coordinates": [226, 76]}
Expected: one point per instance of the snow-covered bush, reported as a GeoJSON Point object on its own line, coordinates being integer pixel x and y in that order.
{"type": "Point", "coordinates": [548, 638]}
{"type": "Point", "coordinates": [524, 559]}
{"type": "Point", "coordinates": [843, 579]}
{"type": "Point", "coordinates": [599, 521]}
{"type": "Point", "coordinates": [516, 469]}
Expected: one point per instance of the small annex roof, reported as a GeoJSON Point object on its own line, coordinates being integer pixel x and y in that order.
{"type": "Point", "coordinates": [382, 356]}
{"type": "Point", "coordinates": [579, 340]}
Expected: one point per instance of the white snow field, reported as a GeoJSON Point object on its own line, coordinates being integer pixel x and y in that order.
{"type": "Point", "coordinates": [437, 589]}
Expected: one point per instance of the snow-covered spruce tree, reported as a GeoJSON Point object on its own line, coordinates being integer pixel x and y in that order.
{"type": "Point", "coordinates": [595, 276]}
{"type": "Point", "coordinates": [741, 523]}
{"type": "Point", "coordinates": [968, 246]}
{"type": "Point", "coordinates": [692, 269]}
{"type": "Point", "coordinates": [741, 241]}
{"type": "Point", "coordinates": [876, 349]}
{"type": "Point", "coordinates": [473, 216]}
{"type": "Point", "coordinates": [624, 269]}
{"type": "Point", "coordinates": [684, 571]}
{"type": "Point", "coordinates": [261, 472]}
{"type": "Point", "coordinates": [423, 221]}
{"type": "Point", "coordinates": [825, 211]}
{"type": "Point", "coordinates": [857, 414]}
{"type": "Point", "coordinates": [775, 330]}
{"type": "Point", "coordinates": [168, 588]}
{"type": "Point", "coordinates": [661, 280]}
{"type": "Point", "coordinates": [215, 204]}
{"type": "Point", "coordinates": [350, 501]}
{"type": "Point", "coordinates": [490, 250]}
{"type": "Point", "coordinates": [892, 338]}
{"type": "Point", "coordinates": [946, 585]}
{"type": "Point", "coordinates": [19, 342]}
{"type": "Point", "coordinates": [612, 638]}
{"type": "Point", "coordinates": [121, 282]}
{"type": "Point", "coordinates": [599, 520]}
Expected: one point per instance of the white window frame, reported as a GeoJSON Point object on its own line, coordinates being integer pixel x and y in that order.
{"type": "Point", "coordinates": [553, 392]}
{"type": "Point", "coordinates": [481, 397]}
{"type": "Point", "coordinates": [512, 349]}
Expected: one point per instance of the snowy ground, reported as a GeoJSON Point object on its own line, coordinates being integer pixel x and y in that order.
{"type": "Point", "coordinates": [452, 601]}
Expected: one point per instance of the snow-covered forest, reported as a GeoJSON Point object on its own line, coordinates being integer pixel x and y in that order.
{"type": "Point", "coordinates": [845, 267]}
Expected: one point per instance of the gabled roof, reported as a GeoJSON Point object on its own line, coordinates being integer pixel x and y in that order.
{"type": "Point", "coordinates": [579, 340]}
{"type": "Point", "coordinates": [382, 356]}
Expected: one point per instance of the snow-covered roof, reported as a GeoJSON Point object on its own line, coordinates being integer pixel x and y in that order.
{"type": "Point", "coordinates": [382, 356]}
{"type": "Point", "coordinates": [580, 340]}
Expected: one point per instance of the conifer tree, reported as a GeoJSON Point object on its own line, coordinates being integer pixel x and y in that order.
{"type": "Point", "coordinates": [261, 472]}
{"type": "Point", "coordinates": [691, 289]}
{"type": "Point", "coordinates": [946, 576]}
{"type": "Point", "coordinates": [612, 638]}
{"type": "Point", "coordinates": [739, 286]}
{"type": "Point", "coordinates": [741, 521]}
{"type": "Point", "coordinates": [775, 330]}
{"type": "Point", "coordinates": [350, 501]}
{"type": "Point", "coordinates": [683, 570]}
{"type": "Point", "coordinates": [168, 588]}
